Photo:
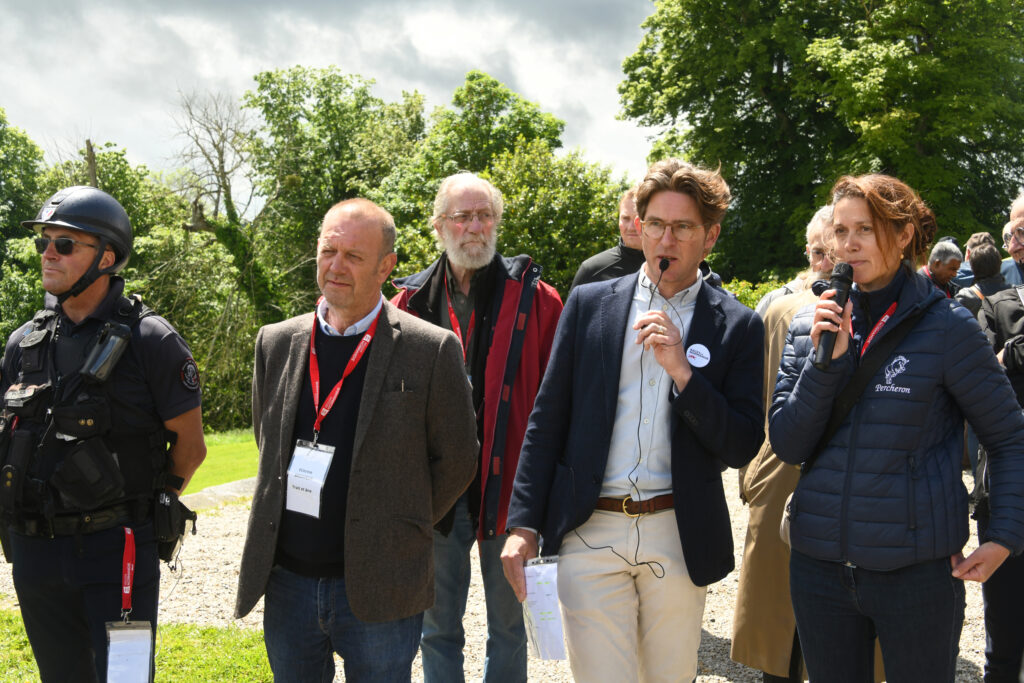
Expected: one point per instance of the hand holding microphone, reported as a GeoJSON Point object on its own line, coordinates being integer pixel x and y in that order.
{"type": "Point", "coordinates": [829, 315]}
{"type": "Point", "coordinates": [658, 332]}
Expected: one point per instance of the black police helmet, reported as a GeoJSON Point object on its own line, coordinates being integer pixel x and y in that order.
{"type": "Point", "coordinates": [90, 210]}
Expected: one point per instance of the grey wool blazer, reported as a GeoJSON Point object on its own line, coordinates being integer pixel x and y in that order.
{"type": "Point", "coordinates": [415, 452]}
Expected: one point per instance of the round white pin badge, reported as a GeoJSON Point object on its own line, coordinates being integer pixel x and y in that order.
{"type": "Point", "coordinates": [698, 355]}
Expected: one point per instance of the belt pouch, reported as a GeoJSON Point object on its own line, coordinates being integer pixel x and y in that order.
{"type": "Point", "coordinates": [88, 478]}
{"type": "Point", "coordinates": [29, 401]}
{"type": "Point", "coordinates": [83, 420]}
{"type": "Point", "coordinates": [12, 474]}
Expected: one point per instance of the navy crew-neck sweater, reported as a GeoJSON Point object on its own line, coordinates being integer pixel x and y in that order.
{"type": "Point", "coordinates": [307, 545]}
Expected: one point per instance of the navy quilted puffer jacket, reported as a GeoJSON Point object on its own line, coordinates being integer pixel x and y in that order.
{"type": "Point", "coordinates": [886, 492]}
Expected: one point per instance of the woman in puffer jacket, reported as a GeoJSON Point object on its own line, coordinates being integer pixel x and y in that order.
{"type": "Point", "coordinates": [879, 521]}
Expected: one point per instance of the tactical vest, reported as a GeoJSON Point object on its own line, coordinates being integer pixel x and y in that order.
{"type": "Point", "coordinates": [72, 444]}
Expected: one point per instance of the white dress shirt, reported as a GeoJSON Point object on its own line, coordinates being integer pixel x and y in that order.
{"type": "Point", "coordinates": [640, 452]}
{"type": "Point", "coordinates": [358, 328]}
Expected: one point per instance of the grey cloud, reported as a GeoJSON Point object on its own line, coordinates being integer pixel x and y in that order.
{"type": "Point", "coordinates": [123, 87]}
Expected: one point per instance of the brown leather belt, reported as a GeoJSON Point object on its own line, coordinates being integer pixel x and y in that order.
{"type": "Point", "coordinates": [635, 508]}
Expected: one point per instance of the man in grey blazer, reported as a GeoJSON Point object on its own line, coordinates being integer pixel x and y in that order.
{"type": "Point", "coordinates": [366, 433]}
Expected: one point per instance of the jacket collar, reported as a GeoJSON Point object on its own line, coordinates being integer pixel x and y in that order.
{"type": "Point", "coordinates": [426, 286]}
{"type": "Point", "coordinates": [708, 318]}
{"type": "Point", "coordinates": [389, 329]}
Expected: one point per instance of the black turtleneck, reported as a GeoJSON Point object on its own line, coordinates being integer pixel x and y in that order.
{"type": "Point", "coordinates": [868, 307]}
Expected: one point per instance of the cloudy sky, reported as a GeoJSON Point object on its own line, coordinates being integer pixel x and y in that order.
{"type": "Point", "coordinates": [111, 70]}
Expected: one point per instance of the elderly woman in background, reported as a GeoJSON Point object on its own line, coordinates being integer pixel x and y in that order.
{"type": "Point", "coordinates": [879, 516]}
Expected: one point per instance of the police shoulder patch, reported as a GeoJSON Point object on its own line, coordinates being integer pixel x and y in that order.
{"type": "Point", "coordinates": [190, 375]}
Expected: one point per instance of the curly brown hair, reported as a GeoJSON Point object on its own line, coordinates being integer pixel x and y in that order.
{"type": "Point", "coordinates": [893, 204]}
{"type": "Point", "coordinates": [707, 188]}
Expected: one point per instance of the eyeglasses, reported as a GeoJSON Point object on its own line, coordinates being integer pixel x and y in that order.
{"type": "Point", "coordinates": [464, 218]}
{"type": "Point", "coordinates": [682, 231]}
{"type": "Point", "coordinates": [1014, 234]}
{"type": "Point", "coordinates": [63, 245]}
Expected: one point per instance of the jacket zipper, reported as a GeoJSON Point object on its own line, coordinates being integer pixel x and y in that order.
{"type": "Point", "coordinates": [847, 480]}
{"type": "Point", "coordinates": [912, 496]}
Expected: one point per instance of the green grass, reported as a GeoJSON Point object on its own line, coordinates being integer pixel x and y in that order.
{"type": "Point", "coordinates": [230, 456]}
{"type": "Point", "coordinates": [185, 653]}
{"type": "Point", "coordinates": [16, 662]}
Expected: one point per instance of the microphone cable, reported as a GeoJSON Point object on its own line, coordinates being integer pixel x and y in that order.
{"type": "Point", "coordinates": [656, 568]}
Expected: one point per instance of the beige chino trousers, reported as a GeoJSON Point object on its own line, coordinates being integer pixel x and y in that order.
{"type": "Point", "coordinates": [625, 620]}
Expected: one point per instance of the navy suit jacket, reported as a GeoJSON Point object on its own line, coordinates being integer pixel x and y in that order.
{"type": "Point", "coordinates": [718, 421]}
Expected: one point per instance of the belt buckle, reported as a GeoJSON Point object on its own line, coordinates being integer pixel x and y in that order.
{"type": "Point", "coordinates": [627, 512]}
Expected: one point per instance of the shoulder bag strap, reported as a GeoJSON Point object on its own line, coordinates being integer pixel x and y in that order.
{"type": "Point", "coordinates": [851, 393]}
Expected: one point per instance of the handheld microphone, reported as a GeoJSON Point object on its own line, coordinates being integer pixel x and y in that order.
{"type": "Point", "coordinates": [663, 265]}
{"type": "Point", "coordinates": [842, 279]}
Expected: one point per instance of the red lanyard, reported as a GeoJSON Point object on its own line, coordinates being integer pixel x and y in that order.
{"type": "Point", "coordinates": [127, 573]}
{"type": "Point", "coordinates": [314, 372]}
{"type": "Point", "coordinates": [878, 326]}
{"type": "Point", "coordinates": [455, 321]}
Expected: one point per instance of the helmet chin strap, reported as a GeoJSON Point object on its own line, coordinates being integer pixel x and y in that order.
{"type": "Point", "coordinates": [88, 277]}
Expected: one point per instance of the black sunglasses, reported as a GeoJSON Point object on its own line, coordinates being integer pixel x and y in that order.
{"type": "Point", "coordinates": [63, 245]}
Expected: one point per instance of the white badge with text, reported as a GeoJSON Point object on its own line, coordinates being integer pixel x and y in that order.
{"type": "Point", "coordinates": [129, 651]}
{"type": "Point", "coordinates": [307, 473]}
{"type": "Point", "coordinates": [698, 355]}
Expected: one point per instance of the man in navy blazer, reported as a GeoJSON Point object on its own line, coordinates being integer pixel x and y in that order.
{"type": "Point", "coordinates": [620, 470]}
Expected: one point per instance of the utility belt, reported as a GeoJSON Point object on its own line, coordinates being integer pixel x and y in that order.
{"type": "Point", "coordinates": [122, 514]}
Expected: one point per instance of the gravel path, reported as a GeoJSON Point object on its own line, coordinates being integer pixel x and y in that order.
{"type": "Point", "coordinates": [202, 591]}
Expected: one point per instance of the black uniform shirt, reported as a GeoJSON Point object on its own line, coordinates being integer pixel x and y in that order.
{"type": "Point", "coordinates": [155, 379]}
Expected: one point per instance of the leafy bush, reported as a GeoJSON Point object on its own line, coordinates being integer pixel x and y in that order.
{"type": "Point", "coordinates": [749, 293]}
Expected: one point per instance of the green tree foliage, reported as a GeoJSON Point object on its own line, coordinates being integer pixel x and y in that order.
{"type": "Point", "coordinates": [189, 278]}
{"type": "Point", "coordinates": [488, 120]}
{"type": "Point", "coordinates": [20, 163]}
{"type": "Point", "coordinates": [732, 84]}
{"type": "Point", "coordinates": [21, 293]}
{"type": "Point", "coordinates": [316, 136]}
{"type": "Point", "coordinates": [322, 137]}
{"type": "Point", "coordinates": [788, 96]}
{"type": "Point", "coordinates": [559, 210]}
{"type": "Point", "coordinates": [148, 200]}
{"type": "Point", "coordinates": [933, 92]}
{"type": "Point", "coordinates": [749, 293]}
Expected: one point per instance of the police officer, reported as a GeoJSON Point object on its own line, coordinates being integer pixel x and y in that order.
{"type": "Point", "coordinates": [100, 429]}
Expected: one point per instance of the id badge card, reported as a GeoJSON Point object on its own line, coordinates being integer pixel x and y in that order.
{"type": "Point", "coordinates": [307, 473]}
{"type": "Point", "coordinates": [129, 651]}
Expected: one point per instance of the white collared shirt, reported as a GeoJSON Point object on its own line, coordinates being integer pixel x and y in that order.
{"type": "Point", "coordinates": [640, 452]}
{"type": "Point", "coordinates": [358, 328]}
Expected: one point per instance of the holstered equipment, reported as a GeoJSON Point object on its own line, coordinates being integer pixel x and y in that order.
{"type": "Point", "coordinates": [171, 519]}
{"type": "Point", "coordinates": [71, 447]}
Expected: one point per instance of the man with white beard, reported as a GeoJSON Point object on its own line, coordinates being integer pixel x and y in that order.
{"type": "Point", "coordinates": [505, 316]}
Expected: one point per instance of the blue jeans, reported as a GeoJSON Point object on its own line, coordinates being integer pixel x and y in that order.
{"type": "Point", "coordinates": [306, 620]}
{"type": "Point", "coordinates": [917, 613]}
{"type": "Point", "coordinates": [443, 635]}
{"type": "Point", "coordinates": [70, 586]}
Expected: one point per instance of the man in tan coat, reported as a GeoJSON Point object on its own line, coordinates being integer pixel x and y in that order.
{"type": "Point", "coordinates": [367, 437]}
